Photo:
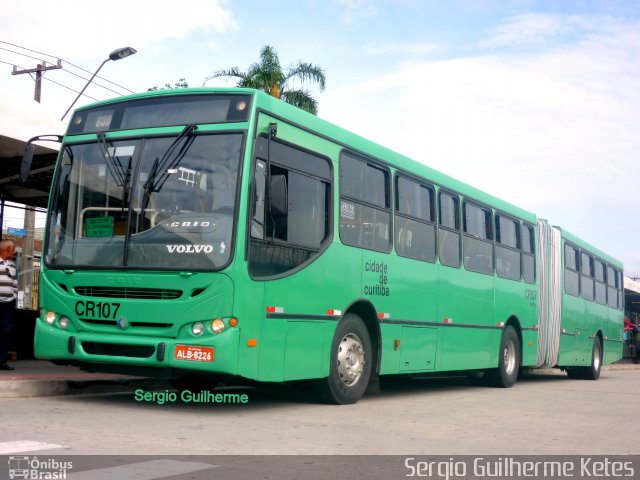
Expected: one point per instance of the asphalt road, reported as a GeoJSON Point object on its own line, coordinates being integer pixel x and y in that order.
{"type": "Point", "coordinates": [543, 414]}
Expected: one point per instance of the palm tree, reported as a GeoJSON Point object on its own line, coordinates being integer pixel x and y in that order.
{"type": "Point", "coordinates": [267, 75]}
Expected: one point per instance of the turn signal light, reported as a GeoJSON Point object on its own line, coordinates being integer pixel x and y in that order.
{"type": "Point", "coordinates": [217, 325]}
{"type": "Point", "coordinates": [50, 317]}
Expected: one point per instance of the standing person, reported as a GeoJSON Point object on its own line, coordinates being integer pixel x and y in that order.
{"type": "Point", "coordinates": [8, 294]}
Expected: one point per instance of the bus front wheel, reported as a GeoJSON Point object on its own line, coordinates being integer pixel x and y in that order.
{"type": "Point", "coordinates": [350, 364]}
{"type": "Point", "coordinates": [506, 374]}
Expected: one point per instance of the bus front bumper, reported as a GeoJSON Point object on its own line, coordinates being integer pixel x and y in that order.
{"type": "Point", "coordinates": [217, 355]}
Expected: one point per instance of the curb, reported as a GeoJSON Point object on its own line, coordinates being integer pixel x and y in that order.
{"type": "Point", "coordinates": [51, 387]}
{"type": "Point", "coordinates": [45, 385]}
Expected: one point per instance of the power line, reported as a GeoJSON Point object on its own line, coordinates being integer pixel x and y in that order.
{"type": "Point", "coordinates": [66, 71]}
{"type": "Point", "coordinates": [27, 49]}
{"type": "Point", "coordinates": [66, 61]}
{"type": "Point", "coordinates": [97, 84]}
{"type": "Point", "coordinates": [57, 83]}
{"type": "Point", "coordinates": [23, 54]}
{"type": "Point", "coordinates": [69, 88]}
{"type": "Point", "coordinates": [94, 83]}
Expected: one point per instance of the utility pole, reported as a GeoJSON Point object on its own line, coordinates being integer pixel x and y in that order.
{"type": "Point", "coordinates": [42, 67]}
{"type": "Point", "coordinates": [25, 280]}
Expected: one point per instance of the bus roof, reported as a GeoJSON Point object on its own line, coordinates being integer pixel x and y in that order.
{"type": "Point", "coordinates": [588, 247]}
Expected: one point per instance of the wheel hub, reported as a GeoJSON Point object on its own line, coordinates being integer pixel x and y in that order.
{"type": "Point", "coordinates": [509, 357]}
{"type": "Point", "coordinates": [350, 359]}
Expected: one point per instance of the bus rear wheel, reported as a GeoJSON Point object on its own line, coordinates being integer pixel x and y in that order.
{"type": "Point", "coordinates": [350, 364]}
{"type": "Point", "coordinates": [506, 374]}
{"type": "Point", "coordinates": [592, 372]}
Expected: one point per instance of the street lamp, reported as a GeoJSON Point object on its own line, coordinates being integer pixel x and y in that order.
{"type": "Point", "coordinates": [118, 54]}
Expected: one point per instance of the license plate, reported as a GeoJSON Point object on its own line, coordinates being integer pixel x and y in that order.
{"type": "Point", "coordinates": [194, 354]}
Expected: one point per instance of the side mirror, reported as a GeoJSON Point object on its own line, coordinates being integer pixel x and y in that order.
{"type": "Point", "coordinates": [27, 156]}
{"type": "Point", "coordinates": [279, 203]}
{"type": "Point", "coordinates": [25, 166]}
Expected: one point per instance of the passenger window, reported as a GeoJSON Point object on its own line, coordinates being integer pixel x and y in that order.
{"type": "Point", "coordinates": [620, 291]}
{"type": "Point", "coordinates": [612, 294]}
{"type": "Point", "coordinates": [571, 275]}
{"type": "Point", "coordinates": [507, 248]}
{"type": "Point", "coordinates": [414, 222]}
{"type": "Point", "coordinates": [449, 230]}
{"type": "Point", "coordinates": [365, 216]}
{"type": "Point", "coordinates": [586, 279]}
{"type": "Point", "coordinates": [601, 288]}
{"type": "Point", "coordinates": [478, 239]}
{"type": "Point", "coordinates": [528, 254]}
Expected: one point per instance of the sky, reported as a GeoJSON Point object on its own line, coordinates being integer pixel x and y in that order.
{"type": "Point", "coordinates": [535, 102]}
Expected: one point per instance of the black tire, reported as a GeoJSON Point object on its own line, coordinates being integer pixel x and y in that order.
{"type": "Point", "coordinates": [477, 378]}
{"type": "Point", "coordinates": [350, 363]}
{"type": "Point", "coordinates": [575, 373]}
{"type": "Point", "coordinates": [506, 375]}
{"type": "Point", "coordinates": [193, 383]}
{"type": "Point", "coordinates": [592, 372]}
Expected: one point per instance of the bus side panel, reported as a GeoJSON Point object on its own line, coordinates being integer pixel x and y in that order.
{"type": "Point", "coordinates": [297, 339]}
{"type": "Point", "coordinates": [411, 286]}
{"type": "Point", "coordinates": [613, 344]}
{"type": "Point", "coordinates": [573, 311]}
{"type": "Point", "coordinates": [516, 299]}
{"type": "Point", "coordinates": [466, 300]}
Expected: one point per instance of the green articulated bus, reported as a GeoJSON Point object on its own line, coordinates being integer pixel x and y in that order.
{"type": "Point", "coordinates": [201, 235]}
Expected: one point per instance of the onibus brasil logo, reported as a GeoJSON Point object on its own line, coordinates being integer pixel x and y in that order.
{"type": "Point", "coordinates": [32, 468]}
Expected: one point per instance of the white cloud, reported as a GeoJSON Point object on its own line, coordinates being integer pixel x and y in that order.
{"type": "Point", "coordinates": [351, 10]}
{"type": "Point", "coordinates": [78, 30]}
{"type": "Point", "coordinates": [391, 48]}
{"type": "Point", "coordinates": [538, 28]}
{"type": "Point", "coordinates": [552, 131]}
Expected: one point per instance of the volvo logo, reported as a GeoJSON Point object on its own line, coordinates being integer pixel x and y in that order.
{"type": "Point", "coordinates": [122, 323]}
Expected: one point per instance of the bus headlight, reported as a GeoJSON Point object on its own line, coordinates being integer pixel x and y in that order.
{"type": "Point", "coordinates": [50, 317]}
{"type": "Point", "coordinates": [197, 329]}
{"type": "Point", "coordinates": [217, 325]}
{"type": "Point", "coordinates": [63, 322]}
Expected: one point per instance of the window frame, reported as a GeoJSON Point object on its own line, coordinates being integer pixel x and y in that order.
{"type": "Point", "coordinates": [414, 218]}
{"type": "Point", "coordinates": [388, 209]}
{"type": "Point", "coordinates": [299, 169]}
{"type": "Point", "coordinates": [576, 272]}
{"type": "Point", "coordinates": [588, 277]}
{"type": "Point", "coordinates": [445, 230]}
{"type": "Point", "coordinates": [526, 254]}
{"type": "Point", "coordinates": [470, 238]}
{"type": "Point", "coordinates": [500, 246]}
{"type": "Point", "coordinates": [600, 283]}
{"type": "Point", "coordinates": [612, 285]}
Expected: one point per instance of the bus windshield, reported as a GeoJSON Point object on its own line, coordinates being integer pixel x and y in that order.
{"type": "Point", "coordinates": [154, 203]}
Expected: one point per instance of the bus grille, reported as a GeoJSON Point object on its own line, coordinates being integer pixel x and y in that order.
{"type": "Point", "coordinates": [114, 323]}
{"type": "Point", "coordinates": [115, 350]}
{"type": "Point", "coordinates": [129, 292]}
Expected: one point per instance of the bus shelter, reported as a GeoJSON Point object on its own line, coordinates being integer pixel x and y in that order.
{"type": "Point", "coordinates": [20, 120]}
{"type": "Point", "coordinates": [632, 297]}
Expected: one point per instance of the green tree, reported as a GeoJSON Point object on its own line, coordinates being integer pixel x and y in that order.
{"type": "Point", "coordinates": [288, 85]}
{"type": "Point", "coordinates": [182, 83]}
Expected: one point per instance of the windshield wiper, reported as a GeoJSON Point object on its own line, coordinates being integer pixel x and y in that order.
{"type": "Point", "coordinates": [162, 167]}
{"type": "Point", "coordinates": [115, 169]}
{"type": "Point", "coordinates": [120, 173]}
